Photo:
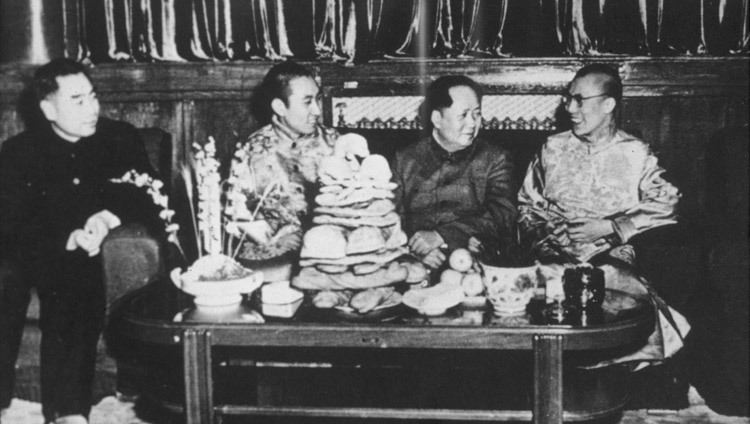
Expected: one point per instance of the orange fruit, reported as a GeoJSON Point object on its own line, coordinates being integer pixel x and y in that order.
{"type": "Point", "coordinates": [461, 260]}
{"type": "Point", "coordinates": [451, 276]}
{"type": "Point", "coordinates": [472, 284]}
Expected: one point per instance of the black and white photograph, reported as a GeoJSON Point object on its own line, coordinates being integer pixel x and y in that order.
{"type": "Point", "coordinates": [374, 211]}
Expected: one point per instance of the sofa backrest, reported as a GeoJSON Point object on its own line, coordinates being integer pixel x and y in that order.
{"type": "Point", "coordinates": [158, 145]}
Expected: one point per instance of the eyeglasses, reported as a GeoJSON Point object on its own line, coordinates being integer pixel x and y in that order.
{"type": "Point", "coordinates": [567, 98]}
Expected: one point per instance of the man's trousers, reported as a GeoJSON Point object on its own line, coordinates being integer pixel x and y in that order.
{"type": "Point", "coordinates": [72, 305]}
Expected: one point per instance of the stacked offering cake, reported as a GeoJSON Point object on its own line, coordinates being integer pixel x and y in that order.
{"type": "Point", "coordinates": [353, 255]}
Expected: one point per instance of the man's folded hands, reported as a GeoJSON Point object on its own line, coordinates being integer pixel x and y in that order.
{"type": "Point", "coordinates": [90, 237]}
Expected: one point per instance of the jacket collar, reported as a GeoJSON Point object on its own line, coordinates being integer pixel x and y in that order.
{"type": "Point", "coordinates": [285, 132]}
{"type": "Point", "coordinates": [47, 135]}
{"type": "Point", "coordinates": [446, 156]}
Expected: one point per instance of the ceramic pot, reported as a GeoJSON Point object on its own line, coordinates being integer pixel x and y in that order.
{"type": "Point", "coordinates": [509, 290]}
{"type": "Point", "coordinates": [217, 294]}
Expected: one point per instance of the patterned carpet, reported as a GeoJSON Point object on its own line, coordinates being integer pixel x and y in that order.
{"type": "Point", "coordinates": [112, 411]}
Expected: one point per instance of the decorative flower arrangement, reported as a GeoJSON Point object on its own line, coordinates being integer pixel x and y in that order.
{"type": "Point", "coordinates": [227, 218]}
{"type": "Point", "coordinates": [208, 220]}
{"type": "Point", "coordinates": [153, 188]}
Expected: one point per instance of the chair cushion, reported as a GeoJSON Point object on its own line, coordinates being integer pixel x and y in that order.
{"type": "Point", "coordinates": [131, 258]}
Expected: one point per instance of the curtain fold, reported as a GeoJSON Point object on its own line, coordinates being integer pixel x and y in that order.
{"type": "Point", "coordinates": [357, 31]}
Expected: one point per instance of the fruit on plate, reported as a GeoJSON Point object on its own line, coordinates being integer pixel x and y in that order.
{"type": "Point", "coordinates": [367, 300]}
{"type": "Point", "coordinates": [434, 300]}
{"type": "Point", "coordinates": [472, 284]}
{"type": "Point", "coordinates": [451, 276]}
{"type": "Point", "coordinates": [215, 268]}
{"type": "Point", "coordinates": [216, 281]}
{"type": "Point", "coordinates": [327, 299]}
{"type": "Point", "coordinates": [461, 260]}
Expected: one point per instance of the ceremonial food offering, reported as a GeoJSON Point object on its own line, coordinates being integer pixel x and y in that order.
{"type": "Point", "coordinates": [216, 281]}
{"type": "Point", "coordinates": [352, 257]}
{"type": "Point", "coordinates": [435, 300]}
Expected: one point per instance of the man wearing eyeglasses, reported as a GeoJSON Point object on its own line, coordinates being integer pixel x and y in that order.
{"type": "Point", "coordinates": [592, 189]}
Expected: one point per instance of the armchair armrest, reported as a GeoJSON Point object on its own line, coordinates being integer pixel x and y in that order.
{"type": "Point", "coordinates": [131, 257]}
{"type": "Point", "coordinates": [671, 258]}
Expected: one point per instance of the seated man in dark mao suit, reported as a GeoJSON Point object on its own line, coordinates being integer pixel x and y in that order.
{"type": "Point", "coordinates": [453, 186]}
{"type": "Point", "coordinates": [58, 202]}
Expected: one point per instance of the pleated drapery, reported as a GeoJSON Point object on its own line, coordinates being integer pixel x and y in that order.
{"type": "Point", "coordinates": [357, 31]}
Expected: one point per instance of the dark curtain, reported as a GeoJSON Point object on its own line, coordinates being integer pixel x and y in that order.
{"type": "Point", "coordinates": [356, 31]}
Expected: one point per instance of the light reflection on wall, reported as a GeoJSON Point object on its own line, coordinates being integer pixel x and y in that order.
{"type": "Point", "coordinates": [38, 52]}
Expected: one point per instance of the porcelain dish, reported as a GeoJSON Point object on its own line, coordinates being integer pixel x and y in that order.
{"type": "Point", "coordinates": [212, 294]}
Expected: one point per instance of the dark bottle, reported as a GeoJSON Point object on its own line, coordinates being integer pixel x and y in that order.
{"type": "Point", "coordinates": [557, 312]}
{"type": "Point", "coordinates": [584, 287]}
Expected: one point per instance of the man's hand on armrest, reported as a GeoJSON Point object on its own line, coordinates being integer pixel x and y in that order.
{"type": "Point", "coordinates": [680, 234]}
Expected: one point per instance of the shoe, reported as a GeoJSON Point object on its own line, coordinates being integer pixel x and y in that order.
{"type": "Point", "coordinates": [658, 387]}
{"type": "Point", "coordinates": [72, 419]}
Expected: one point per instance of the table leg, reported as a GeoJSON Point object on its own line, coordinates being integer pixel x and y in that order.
{"type": "Point", "coordinates": [548, 375]}
{"type": "Point", "coordinates": [196, 351]}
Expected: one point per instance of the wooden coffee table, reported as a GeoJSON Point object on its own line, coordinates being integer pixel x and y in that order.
{"type": "Point", "coordinates": [148, 315]}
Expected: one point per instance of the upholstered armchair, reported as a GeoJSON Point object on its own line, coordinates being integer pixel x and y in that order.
{"type": "Point", "coordinates": [130, 255]}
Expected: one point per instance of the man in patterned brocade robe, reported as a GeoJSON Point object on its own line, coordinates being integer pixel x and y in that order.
{"type": "Point", "coordinates": [285, 153]}
{"type": "Point", "coordinates": [592, 189]}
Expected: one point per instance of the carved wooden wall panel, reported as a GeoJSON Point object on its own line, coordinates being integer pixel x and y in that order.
{"type": "Point", "coordinates": [228, 121]}
{"type": "Point", "coordinates": [167, 115]}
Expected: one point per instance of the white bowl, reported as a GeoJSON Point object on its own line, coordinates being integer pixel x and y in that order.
{"type": "Point", "coordinates": [280, 300]}
{"type": "Point", "coordinates": [217, 293]}
{"type": "Point", "coordinates": [517, 307]}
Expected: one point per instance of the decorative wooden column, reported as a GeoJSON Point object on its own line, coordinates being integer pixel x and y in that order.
{"type": "Point", "coordinates": [548, 375]}
{"type": "Point", "coordinates": [199, 405]}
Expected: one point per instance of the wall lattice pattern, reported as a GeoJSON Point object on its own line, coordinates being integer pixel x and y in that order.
{"type": "Point", "coordinates": [514, 112]}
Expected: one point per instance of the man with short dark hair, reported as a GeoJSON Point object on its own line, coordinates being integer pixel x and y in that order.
{"type": "Point", "coordinates": [57, 204]}
{"type": "Point", "coordinates": [453, 186]}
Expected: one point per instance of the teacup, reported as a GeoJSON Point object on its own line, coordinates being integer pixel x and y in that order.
{"type": "Point", "coordinates": [509, 290]}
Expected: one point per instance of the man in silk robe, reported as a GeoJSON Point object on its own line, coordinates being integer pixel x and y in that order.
{"type": "Point", "coordinates": [592, 189]}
